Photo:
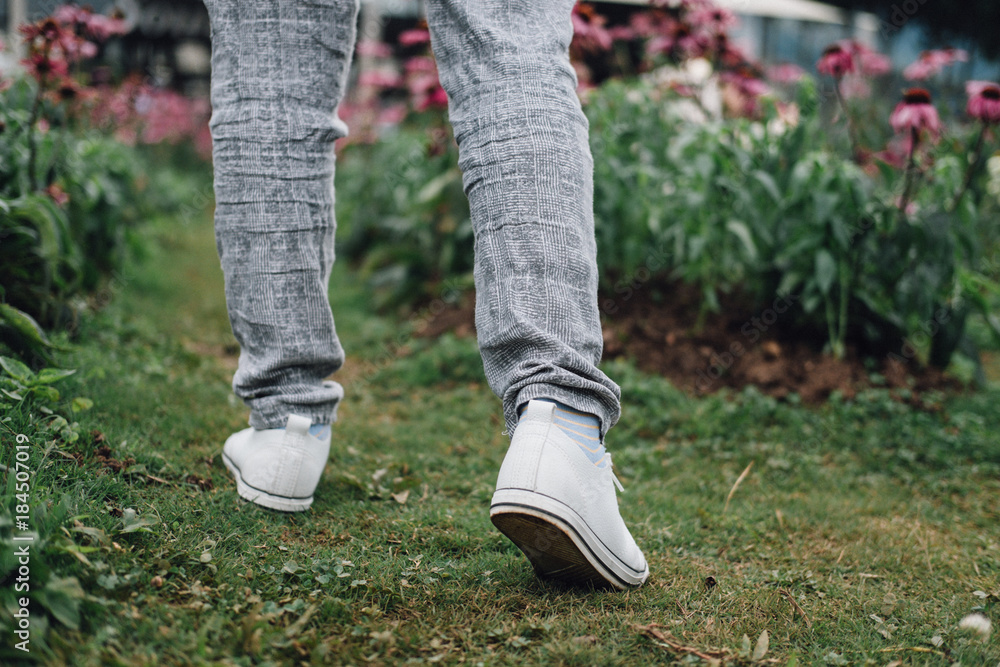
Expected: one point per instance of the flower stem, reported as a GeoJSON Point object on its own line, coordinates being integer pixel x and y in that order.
{"type": "Point", "coordinates": [851, 130]}
{"type": "Point", "coordinates": [36, 108]}
{"type": "Point", "coordinates": [911, 171]}
{"type": "Point", "coordinates": [977, 153]}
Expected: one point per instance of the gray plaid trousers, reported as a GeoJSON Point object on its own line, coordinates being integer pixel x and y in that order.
{"type": "Point", "coordinates": [279, 69]}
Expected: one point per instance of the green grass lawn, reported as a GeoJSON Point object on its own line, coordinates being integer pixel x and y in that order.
{"type": "Point", "coordinates": [862, 533]}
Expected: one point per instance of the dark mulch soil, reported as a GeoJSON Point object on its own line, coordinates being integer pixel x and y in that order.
{"type": "Point", "coordinates": [739, 346]}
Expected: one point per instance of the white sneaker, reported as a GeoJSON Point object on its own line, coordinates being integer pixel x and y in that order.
{"type": "Point", "coordinates": [561, 510]}
{"type": "Point", "coordinates": [278, 468]}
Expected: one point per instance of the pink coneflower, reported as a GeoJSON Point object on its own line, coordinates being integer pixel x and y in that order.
{"type": "Point", "coordinates": [864, 60]}
{"type": "Point", "coordinates": [57, 194]}
{"type": "Point", "coordinates": [589, 33]}
{"type": "Point", "coordinates": [729, 55]}
{"type": "Point", "coordinates": [746, 83]}
{"type": "Point", "coordinates": [915, 114]}
{"type": "Point", "coordinates": [786, 73]}
{"type": "Point", "coordinates": [622, 33]}
{"type": "Point", "coordinates": [414, 37]}
{"type": "Point", "coordinates": [435, 99]}
{"type": "Point", "coordinates": [79, 49]}
{"type": "Point", "coordinates": [744, 92]}
{"type": "Point", "coordinates": [932, 62]}
{"type": "Point", "coordinates": [855, 87]}
{"type": "Point", "coordinates": [984, 101]}
{"type": "Point", "coordinates": [424, 86]}
{"type": "Point", "coordinates": [101, 27]}
{"type": "Point", "coordinates": [47, 29]}
{"type": "Point", "coordinates": [897, 151]}
{"type": "Point", "coordinates": [67, 90]}
{"type": "Point", "coordinates": [871, 62]}
{"type": "Point", "coordinates": [70, 14]}
{"type": "Point", "coordinates": [650, 23]}
{"type": "Point", "coordinates": [907, 207]}
{"type": "Point", "coordinates": [380, 78]}
{"type": "Point", "coordinates": [660, 44]}
{"type": "Point", "coordinates": [836, 61]}
{"type": "Point", "coordinates": [691, 43]}
{"type": "Point", "coordinates": [42, 66]}
{"type": "Point", "coordinates": [715, 19]}
{"type": "Point", "coordinates": [373, 49]}
{"type": "Point", "coordinates": [420, 64]}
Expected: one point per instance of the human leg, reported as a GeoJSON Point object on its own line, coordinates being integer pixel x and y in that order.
{"type": "Point", "coordinates": [528, 173]}
{"type": "Point", "coordinates": [278, 73]}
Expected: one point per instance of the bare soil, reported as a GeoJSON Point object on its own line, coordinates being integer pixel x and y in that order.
{"type": "Point", "coordinates": [739, 346]}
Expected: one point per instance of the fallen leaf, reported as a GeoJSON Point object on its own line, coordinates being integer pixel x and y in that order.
{"type": "Point", "coordinates": [296, 627]}
{"type": "Point", "coordinates": [762, 645]}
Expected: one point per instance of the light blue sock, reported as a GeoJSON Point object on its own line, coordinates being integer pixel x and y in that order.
{"type": "Point", "coordinates": [584, 428]}
{"type": "Point", "coordinates": [317, 430]}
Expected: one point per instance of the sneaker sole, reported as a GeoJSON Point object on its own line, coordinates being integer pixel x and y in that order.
{"type": "Point", "coordinates": [558, 542]}
{"type": "Point", "coordinates": [262, 498]}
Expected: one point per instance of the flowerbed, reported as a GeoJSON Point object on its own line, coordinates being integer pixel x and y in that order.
{"type": "Point", "coordinates": [75, 177]}
{"type": "Point", "coordinates": [731, 176]}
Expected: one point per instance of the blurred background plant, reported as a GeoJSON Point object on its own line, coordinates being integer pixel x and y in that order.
{"type": "Point", "coordinates": [719, 172]}
{"type": "Point", "coordinates": [78, 153]}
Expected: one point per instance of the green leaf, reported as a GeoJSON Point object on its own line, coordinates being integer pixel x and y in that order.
{"type": "Point", "coordinates": [95, 534]}
{"type": "Point", "coordinates": [62, 597]}
{"type": "Point", "coordinates": [13, 394]}
{"type": "Point", "coordinates": [81, 404]}
{"type": "Point", "coordinates": [742, 232]}
{"type": "Point", "coordinates": [132, 523]}
{"type": "Point", "coordinates": [24, 325]}
{"type": "Point", "coordinates": [50, 375]}
{"type": "Point", "coordinates": [826, 270]}
{"type": "Point", "coordinates": [767, 182]}
{"type": "Point", "coordinates": [50, 394]}
{"type": "Point", "coordinates": [16, 369]}
{"type": "Point", "coordinates": [824, 204]}
{"type": "Point", "coordinates": [436, 186]}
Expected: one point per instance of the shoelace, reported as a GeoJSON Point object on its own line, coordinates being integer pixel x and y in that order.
{"type": "Point", "coordinates": [614, 477]}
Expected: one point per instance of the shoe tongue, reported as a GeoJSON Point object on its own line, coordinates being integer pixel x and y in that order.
{"type": "Point", "coordinates": [538, 409]}
{"type": "Point", "coordinates": [298, 424]}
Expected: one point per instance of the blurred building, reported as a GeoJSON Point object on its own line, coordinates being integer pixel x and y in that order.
{"type": "Point", "coordinates": [170, 40]}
